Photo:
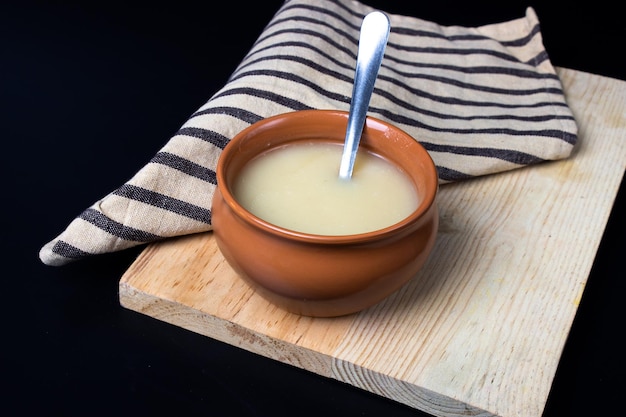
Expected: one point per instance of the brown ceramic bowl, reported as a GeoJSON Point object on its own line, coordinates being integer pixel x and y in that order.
{"type": "Point", "coordinates": [319, 275]}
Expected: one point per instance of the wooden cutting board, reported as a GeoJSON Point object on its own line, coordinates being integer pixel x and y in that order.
{"type": "Point", "coordinates": [481, 329]}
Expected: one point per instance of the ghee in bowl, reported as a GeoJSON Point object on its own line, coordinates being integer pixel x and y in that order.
{"type": "Point", "coordinates": [298, 187]}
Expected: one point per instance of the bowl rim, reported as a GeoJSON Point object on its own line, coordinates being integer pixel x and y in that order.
{"type": "Point", "coordinates": [423, 207]}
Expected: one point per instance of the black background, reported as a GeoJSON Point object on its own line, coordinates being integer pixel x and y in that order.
{"type": "Point", "coordinates": [90, 91]}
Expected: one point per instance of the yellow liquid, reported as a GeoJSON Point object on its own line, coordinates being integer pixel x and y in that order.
{"type": "Point", "coordinates": [298, 187]}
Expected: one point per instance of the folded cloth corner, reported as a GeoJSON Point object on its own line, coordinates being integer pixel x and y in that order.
{"type": "Point", "coordinates": [481, 100]}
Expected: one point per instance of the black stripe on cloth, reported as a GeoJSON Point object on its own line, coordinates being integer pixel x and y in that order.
{"type": "Point", "coordinates": [295, 58]}
{"type": "Point", "coordinates": [186, 166]}
{"type": "Point", "coordinates": [525, 40]}
{"type": "Point", "coordinates": [277, 98]}
{"type": "Point", "coordinates": [457, 51]}
{"type": "Point", "coordinates": [455, 101]}
{"type": "Point", "coordinates": [538, 59]}
{"type": "Point", "coordinates": [481, 69]}
{"type": "Point", "coordinates": [510, 71]}
{"type": "Point", "coordinates": [420, 33]}
{"type": "Point", "coordinates": [551, 133]}
{"type": "Point", "coordinates": [521, 42]}
{"type": "Point", "coordinates": [451, 175]}
{"type": "Point", "coordinates": [465, 37]}
{"type": "Point", "coordinates": [308, 8]}
{"type": "Point", "coordinates": [68, 251]}
{"type": "Point", "coordinates": [509, 155]}
{"type": "Point", "coordinates": [206, 135]}
{"type": "Point", "coordinates": [447, 116]}
{"type": "Point", "coordinates": [321, 22]}
{"type": "Point", "coordinates": [164, 202]}
{"type": "Point", "coordinates": [328, 11]}
{"type": "Point", "coordinates": [308, 33]}
{"type": "Point", "coordinates": [476, 87]}
{"type": "Point", "coordinates": [117, 229]}
{"type": "Point", "coordinates": [236, 112]}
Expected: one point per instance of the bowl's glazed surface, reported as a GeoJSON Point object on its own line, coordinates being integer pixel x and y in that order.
{"type": "Point", "coordinates": [318, 275]}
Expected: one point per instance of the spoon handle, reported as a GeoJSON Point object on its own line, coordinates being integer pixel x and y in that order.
{"type": "Point", "coordinates": [372, 43]}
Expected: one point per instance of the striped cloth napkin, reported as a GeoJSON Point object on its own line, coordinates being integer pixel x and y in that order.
{"type": "Point", "coordinates": [481, 100]}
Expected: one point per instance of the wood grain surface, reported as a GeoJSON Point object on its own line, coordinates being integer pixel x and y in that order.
{"type": "Point", "coordinates": [480, 330]}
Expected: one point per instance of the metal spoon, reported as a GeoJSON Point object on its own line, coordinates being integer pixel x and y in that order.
{"type": "Point", "coordinates": [372, 43]}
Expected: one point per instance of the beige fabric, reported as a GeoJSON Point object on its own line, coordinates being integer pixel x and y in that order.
{"type": "Point", "coordinates": [481, 100]}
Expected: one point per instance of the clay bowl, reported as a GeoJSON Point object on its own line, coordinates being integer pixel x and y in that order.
{"type": "Point", "coordinates": [321, 275]}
